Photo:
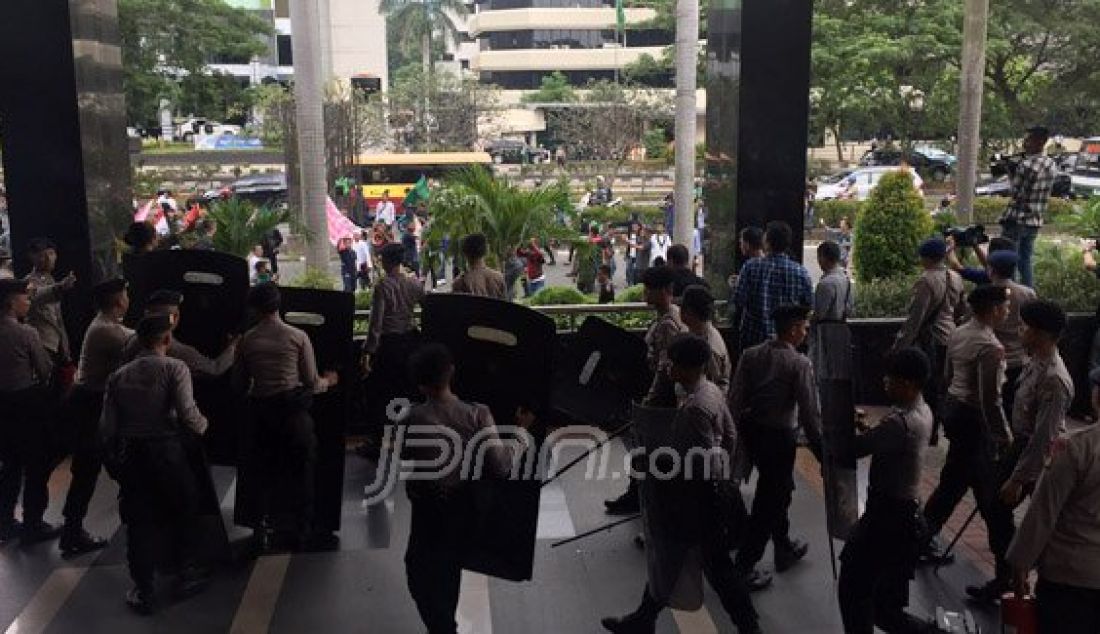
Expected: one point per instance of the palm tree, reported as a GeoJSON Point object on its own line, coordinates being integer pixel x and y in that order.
{"type": "Point", "coordinates": [473, 201]}
{"type": "Point", "coordinates": [309, 120]}
{"type": "Point", "coordinates": [419, 20]}
{"type": "Point", "coordinates": [241, 225]}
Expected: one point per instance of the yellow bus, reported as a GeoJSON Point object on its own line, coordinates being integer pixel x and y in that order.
{"type": "Point", "coordinates": [398, 173]}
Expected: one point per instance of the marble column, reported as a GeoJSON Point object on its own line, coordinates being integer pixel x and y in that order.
{"type": "Point", "coordinates": [758, 79]}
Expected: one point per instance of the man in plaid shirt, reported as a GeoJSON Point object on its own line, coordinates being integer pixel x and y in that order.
{"type": "Point", "coordinates": [768, 282]}
{"type": "Point", "coordinates": [1032, 182]}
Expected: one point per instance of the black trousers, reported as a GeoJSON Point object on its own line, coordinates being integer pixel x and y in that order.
{"type": "Point", "coordinates": [876, 566]}
{"type": "Point", "coordinates": [85, 408]}
{"type": "Point", "coordinates": [772, 452]}
{"type": "Point", "coordinates": [970, 465]}
{"type": "Point", "coordinates": [287, 443]}
{"type": "Point", "coordinates": [25, 455]}
{"type": "Point", "coordinates": [389, 377]}
{"type": "Point", "coordinates": [158, 501]}
{"type": "Point", "coordinates": [1067, 609]}
{"type": "Point", "coordinates": [1008, 391]}
{"type": "Point", "coordinates": [433, 559]}
{"type": "Point", "coordinates": [934, 388]}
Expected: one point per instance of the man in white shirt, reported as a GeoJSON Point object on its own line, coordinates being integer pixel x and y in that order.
{"type": "Point", "coordinates": [659, 243]}
{"type": "Point", "coordinates": [363, 262]}
{"type": "Point", "coordinates": [385, 212]}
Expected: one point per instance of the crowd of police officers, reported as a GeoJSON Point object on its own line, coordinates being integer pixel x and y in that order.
{"type": "Point", "coordinates": [132, 410]}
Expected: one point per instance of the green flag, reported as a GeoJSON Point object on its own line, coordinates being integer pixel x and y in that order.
{"type": "Point", "coordinates": [620, 17]}
{"type": "Point", "coordinates": [418, 194]}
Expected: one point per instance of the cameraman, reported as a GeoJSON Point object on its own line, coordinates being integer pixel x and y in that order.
{"type": "Point", "coordinates": [1032, 181]}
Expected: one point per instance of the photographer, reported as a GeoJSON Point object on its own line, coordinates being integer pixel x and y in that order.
{"type": "Point", "coordinates": [1032, 181]}
{"type": "Point", "coordinates": [974, 274]}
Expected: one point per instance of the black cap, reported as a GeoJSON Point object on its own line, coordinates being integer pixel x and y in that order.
{"type": "Point", "coordinates": [689, 350]}
{"type": "Point", "coordinates": [1045, 316]}
{"type": "Point", "coordinates": [109, 287]}
{"type": "Point", "coordinates": [154, 326]}
{"type": "Point", "coordinates": [12, 287]}
{"type": "Point", "coordinates": [164, 297]}
{"type": "Point", "coordinates": [789, 313]}
{"type": "Point", "coordinates": [987, 296]}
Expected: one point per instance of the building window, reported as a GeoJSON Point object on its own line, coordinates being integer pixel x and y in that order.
{"type": "Point", "coordinates": [532, 79]}
{"type": "Point", "coordinates": [286, 53]}
{"type": "Point", "coordinates": [282, 8]}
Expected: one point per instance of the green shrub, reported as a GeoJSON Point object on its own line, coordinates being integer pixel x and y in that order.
{"type": "Point", "coordinates": [1061, 277]}
{"type": "Point", "coordinates": [1059, 208]}
{"type": "Point", "coordinates": [890, 228]}
{"type": "Point", "coordinates": [1083, 222]}
{"type": "Point", "coordinates": [655, 142]}
{"type": "Point", "coordinates": [987, 209]}
{"type": "Point", "coordinates": [631, 294]}
{"type": "Point", "coordinates": [886, 297]}
{"type": "Point", "coordinates": [313, 278]}
{"type": "Point", "coordinates": [362, 300]}
{"type": "Point", "coordinates": [560, 295]}
{"type": "Point", "coordinates": [830, 212]}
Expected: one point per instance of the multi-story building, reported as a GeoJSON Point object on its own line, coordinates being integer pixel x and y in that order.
{"type": "Point", "coordinates": [353, 41]}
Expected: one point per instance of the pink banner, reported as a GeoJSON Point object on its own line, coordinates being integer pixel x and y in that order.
{"type": "Point", "coordinates": [339, 226]}
{"type": "Point", "coordinates": [142, 214]}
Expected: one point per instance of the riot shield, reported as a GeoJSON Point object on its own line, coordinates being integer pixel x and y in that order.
{"type": "Point", "coordinates": [327, 318]}
{"type": "Point", "coordinates": [840, 476]}
{"type": "Point", "coordinates": [214, 287]}
{"type": "Point", "coordinates": [504, 355]}
{"type": "Point", "coordinates": [670, 513]}
{"type": "Point", "coordinates": [602, 371]}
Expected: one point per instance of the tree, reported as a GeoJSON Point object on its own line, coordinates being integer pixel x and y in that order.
{"type": "Point", "coordinates": [890, 229]}
{"type": "Point", "coordinates": [165, 42]}
{"type": "Point", "coordinates": [241, 225]}
{"type": "Point", "coordinates": [420, 20]}
{"type": "Point", "coordinates": [438, 111]}
{"type": "Point", "coordinates": [473, 201]}
{"type": "Point", "coordinates": [554, 88]}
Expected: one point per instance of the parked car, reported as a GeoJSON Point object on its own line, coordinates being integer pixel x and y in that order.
{"type": "Point", "coordinates": [860, 182]}
{"type": "Point", "coordinates": [938, 169]}
{"type": "Point", "coordinates": [265, 190]}
{"type": "Point", "coordinates": [937, 154]}
{"type": "Point", "coordinates": [190, 128]}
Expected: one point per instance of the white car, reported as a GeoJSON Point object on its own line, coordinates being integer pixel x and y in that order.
{"type": "Point", "coordinates": [859, 184]}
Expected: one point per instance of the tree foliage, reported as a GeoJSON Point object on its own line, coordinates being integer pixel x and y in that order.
{"type": "Point", "coordinates": [420, 23]}
{"type": "Point", "coordinates": [167, 46]}
{"type": "Point", "coordinates": [241, 225]}
{"type": "Point", "coordinates": [890, 229]}
{"type": "Point", "coordinates": [554, 88]}
{"type": "Point", "coordinates": [609, 122]}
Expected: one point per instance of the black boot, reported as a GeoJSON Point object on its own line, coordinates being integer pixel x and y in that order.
{"type": "Point", "coordinates": [627, 503]}
{"type": "Point", "coordinates": [76, 541]}
{"type": "Point", "coordinates": [640, 621]}
{"type": "Point", "coordinates": [988, 594]}
{"type": "Point", "coordinates": [39, 531]}
{"type": "Point", "coordinates": [790, 554]}
{"type": "Point", "coordinates": [140, 600]}
{"type": "Point", "coordinates": [9, 530]}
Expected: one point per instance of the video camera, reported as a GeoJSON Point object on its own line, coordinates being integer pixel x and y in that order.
{"type": "Point", "coordinates": [964, 237]}
{"type": "Point", "coordinates": [1005, 164]}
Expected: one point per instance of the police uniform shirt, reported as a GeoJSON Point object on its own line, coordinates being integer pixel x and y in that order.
{"type": "Point", "coordinates": [657, 339]}
{"type": "Point", "coordinates": [24, 362]}
{"type": "Point", "coordinates": [479, 440]}
{"type": "Point", "coordinates": [1061, 530]}
{"type": "Point", "coordinates": [1008, 332]}
{"type": "Point", "coordinates": [45, 313]}
{"type": "Point", "coordinates": [774, 388]}
{"type": "Point", "coordinates": [101, 353]}
{"type": "Point", "coordinates": [481, 280]}
{"type": "Point", "coordinates": [719, 368]}
{"type": "Point", "coordinates": [275, 357]}
{"type": "Point", "coordinates": [704, 421]}
{"type": "Point", "coordinates": [830, 339]}
{"type": "Point", "coordinates": [976, 372]}
{"type": "Point", "coordinates": [150, 397]}
{"type": "Point", "coordinates": [391, 308]}
{"type": "Point", "coordinates": [937, 294]}
{"type": "Point", "coordinates": [897, 445]}
{"type": "Point", "coordinates": [197, 362]}
{"type": "Point", "coordinates": [1043, 397]}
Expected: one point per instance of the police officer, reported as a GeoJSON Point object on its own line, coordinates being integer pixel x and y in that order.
{"type": "Point", "coordinates": [658, 281]}
{"type": "Point", "coordinates": [697, 312]}
{"type": "Point", "coordinates": [937, 296]}
{"type": "Point", "coordinates": [773, 394]}
{"type": "Point", "coordinates": [167, 303]}
{"type": "Point", "coordinates": [1060, 534]}
{"type": "Point", "coordinates": [1043, 397]}
{"type": "Point", "coordinates": [25, 368]}
{"type": "Point", "coordinates": [149, 417]}
{"type": "Point", "coordinates": [100, 355]}
{"type": "Point", "coordinates": [46, 295]}
{"type": "Point", "coordinates": [442, 502]}
{"type": "Point", "coordinates": [1002, 268]}
{"type": "Point", "coordinates": [276, 366]}
{"type": "Point", "coordinates": [974, 420]}
{"type": "Point", "coordinates": [880, 556]}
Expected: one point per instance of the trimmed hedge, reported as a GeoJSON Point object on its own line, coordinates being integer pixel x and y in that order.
{"type": "Point", "coordinates": [829, 212]}
{"type": "Point", "coordinates": [889, 229]}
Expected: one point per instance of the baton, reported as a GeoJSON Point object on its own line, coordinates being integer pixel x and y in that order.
{"type": "Point", "coordinates": [615, 434]}
{"type": "Point", "coordinates": [947, 553]}
{"type": "Point", "coordinates": [605, 527]}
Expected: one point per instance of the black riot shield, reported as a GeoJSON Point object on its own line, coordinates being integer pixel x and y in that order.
{"type": "Point", "coordinates": [601, 372]}
{"type": "Point", "coordinates": [840, 474]}
{"type": "Point", "coordinates": [504, 355]}
{"type": "Point", "coordinates": [327, 318]}
{"type": "Point", "coordinates": [214, 287]}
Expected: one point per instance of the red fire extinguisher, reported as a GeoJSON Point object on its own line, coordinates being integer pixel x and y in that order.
{"type": "Point", "coordinates": [1018, 615]}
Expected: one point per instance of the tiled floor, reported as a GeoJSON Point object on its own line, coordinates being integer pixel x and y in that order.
{"type": "Point", "coordinates": [361, 587]}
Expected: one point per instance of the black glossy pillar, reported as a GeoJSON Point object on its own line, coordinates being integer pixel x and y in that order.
{"type": "Point", "coordinates": [63, 129]}
{"type": "Point", "coordinates": [758, 80]}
